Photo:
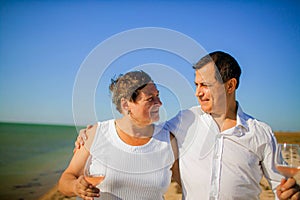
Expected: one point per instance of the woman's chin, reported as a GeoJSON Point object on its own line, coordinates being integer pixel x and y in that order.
{"type": "Point", "coordinates": [155, 118]}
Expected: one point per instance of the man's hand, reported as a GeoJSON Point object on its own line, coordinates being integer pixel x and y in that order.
{"type": "Point", "coordinates": [288, 189]}
{"type": "Point", "coordinates": [82, 136]}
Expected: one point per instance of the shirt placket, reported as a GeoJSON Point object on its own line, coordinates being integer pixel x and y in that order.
{"type": "Point", "coordinates": [216, 168]}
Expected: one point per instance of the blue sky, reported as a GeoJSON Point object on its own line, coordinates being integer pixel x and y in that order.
{"type": "Point", "coordinates": [44, 43]}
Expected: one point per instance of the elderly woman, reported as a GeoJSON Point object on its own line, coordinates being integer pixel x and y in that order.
{"type": "Point", "coordinates": [139, 156]}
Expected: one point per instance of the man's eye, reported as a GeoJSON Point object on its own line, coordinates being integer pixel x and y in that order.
{"type": "Point", "coordinates": [206, 85]}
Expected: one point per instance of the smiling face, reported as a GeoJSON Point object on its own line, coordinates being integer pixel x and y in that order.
{"type": "Point", "coordinates": [145, 109]}
{"type": "Point", "coordinates": [209, 91]}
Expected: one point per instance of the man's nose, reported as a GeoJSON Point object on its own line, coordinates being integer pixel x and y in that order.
{"type": "Point", "coordinates": [198, 92]}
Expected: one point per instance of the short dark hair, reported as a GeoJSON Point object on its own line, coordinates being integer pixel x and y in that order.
{"type": "Point", "coordinates": [227, 66]}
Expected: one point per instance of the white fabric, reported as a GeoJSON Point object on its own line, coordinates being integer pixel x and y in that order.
{"type": "Point", "coordinates": [223, 165]}
{"type": "Point", "coordinates": [133, 172]}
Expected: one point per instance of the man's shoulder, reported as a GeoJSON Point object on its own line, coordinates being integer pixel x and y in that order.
{"type": "Point", "coordinates": [195, 110]}
{"type": "Point", "coordinates": [257, 126]}
{"type": "Point", "coordinates": [184, 119]}
{"type": "Point", "coordinates": [264, 128]}
{"type": "Point", "coordinates": [252, 122]}
{"type": "Point", "coordinates": [257, 122]}
{"type": "Point", "coordinates": [187, 115]}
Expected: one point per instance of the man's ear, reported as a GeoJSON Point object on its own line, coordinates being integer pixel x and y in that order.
{"type": "Point", "coordinates": [231, 85]}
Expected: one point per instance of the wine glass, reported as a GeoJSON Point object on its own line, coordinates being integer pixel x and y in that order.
{"type": "Point", "coordinates": [94, 170]}
{"type": "Point", "coordinates": [287, 159]}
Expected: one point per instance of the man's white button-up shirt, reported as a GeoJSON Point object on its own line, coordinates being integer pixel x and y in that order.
{"type": "Point", "coordinates": [223, 165]}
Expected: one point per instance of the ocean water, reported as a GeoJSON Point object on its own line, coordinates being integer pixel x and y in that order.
{"type": "Point", "coordinates": [32, 158]}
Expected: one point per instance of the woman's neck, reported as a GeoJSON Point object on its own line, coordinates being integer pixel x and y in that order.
{"type": "Point", "coordinates": [135, 130]}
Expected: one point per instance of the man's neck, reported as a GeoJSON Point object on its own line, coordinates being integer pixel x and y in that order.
{"type": "Point", "coordinates": [227, 120]}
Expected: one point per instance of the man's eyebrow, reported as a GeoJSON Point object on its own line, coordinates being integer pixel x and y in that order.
{"type": "Point", "coordinates": [151, 94]}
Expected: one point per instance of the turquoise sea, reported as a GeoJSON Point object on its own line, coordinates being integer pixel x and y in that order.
{"type": "Point", "coordinates": [32, 157]}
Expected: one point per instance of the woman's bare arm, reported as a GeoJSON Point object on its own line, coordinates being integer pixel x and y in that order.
{"type": "Point", "coordinates": [72, 182]}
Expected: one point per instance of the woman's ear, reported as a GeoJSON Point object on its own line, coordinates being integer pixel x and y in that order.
{"type": "Point", "coordinates": [231, 85]}
{"type": "Point", "coordinates": [125, 106]}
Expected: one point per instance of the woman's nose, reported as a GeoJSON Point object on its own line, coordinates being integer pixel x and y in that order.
{"type": "Point", "coordinates": [157, 101]}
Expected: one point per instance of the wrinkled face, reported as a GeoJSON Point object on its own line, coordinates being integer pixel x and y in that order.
{"type": "Point", "coordinates": [146, 108]}
{"type": "Point", "coordinates": [210, 92]}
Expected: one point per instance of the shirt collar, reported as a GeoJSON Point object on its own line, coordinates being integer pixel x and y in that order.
{"type": "Point", "coordinates": [241, 122]}
{"type": "Point", "coordinates": [241, 118]}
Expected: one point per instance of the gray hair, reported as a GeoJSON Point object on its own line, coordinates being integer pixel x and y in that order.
{"type": "Point", "coordinates": [127, 86]}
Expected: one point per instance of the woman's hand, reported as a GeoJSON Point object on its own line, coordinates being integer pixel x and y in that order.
{"type": "Point", "coordinates": [85, 190]}
{"type": "Point", "coordinates": [288, 189]}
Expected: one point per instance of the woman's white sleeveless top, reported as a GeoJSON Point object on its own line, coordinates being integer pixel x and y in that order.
{"type": "Point", "coordinates": [133, 172]}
